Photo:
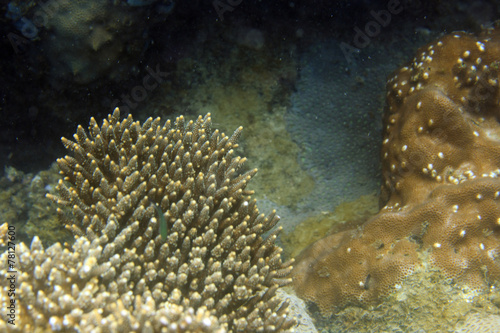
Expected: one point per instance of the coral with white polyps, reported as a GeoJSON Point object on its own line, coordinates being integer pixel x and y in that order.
{"type": "Point", "coordinates": [440, 192]}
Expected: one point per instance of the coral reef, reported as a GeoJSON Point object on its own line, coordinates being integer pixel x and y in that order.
{"type": "Point", "coordinates": [83, 42]}
{"type": "Point", "coordinates": [24, 206]}
{"type": "Point", "coordinates": [100, 34]}
{"type": "Point", "coordinates": [350, 268]}
{"type": "Point", "coordinates": [251, 82]}
{"type": "Point", "coordinates": [345, 216]}
{"type": "Point", "coordinates": [298, 309]}
{"type": "Point", "coordinates": [214, 272]}
{"type": "Point", "coordinates": [440, 163]}
{"type": "Point", "coordinates": [425, 302]}
{"type": "Point", "coordinates": [442, 118]}
{"type": "Point", "coordinates": [476, 322]}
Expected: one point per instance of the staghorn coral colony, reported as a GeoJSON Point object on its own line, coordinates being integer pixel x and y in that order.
{"type": "Point", "coordinates": [440, 191]}
{"type": "Point", "coordinates": [213, 272]}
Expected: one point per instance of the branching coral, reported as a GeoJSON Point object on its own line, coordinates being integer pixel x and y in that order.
{"type": "Point", "coordinates": [213, 272]}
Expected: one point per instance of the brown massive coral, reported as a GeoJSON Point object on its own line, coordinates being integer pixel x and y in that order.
{"type": "Point", "coordinates": [211, 271]}
{"type": "Point", "coordinates": [440, 163]}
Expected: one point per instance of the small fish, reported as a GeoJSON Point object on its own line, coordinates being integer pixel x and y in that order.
{"type": "Point", "coordinates": [162, 222]}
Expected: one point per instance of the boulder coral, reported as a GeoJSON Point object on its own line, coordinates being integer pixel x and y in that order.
{"type": "Point", "coordinates": [440, 192]}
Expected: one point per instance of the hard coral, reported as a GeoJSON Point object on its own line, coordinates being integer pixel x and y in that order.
{"type": "Point", "coordinates": [213, 272]}
{"type": "Point", "coordinates": [343, 269]}
{"type": "Point", "coordinates": [440, 162]}
{"type": "Point", "coordinates": [442, 117]}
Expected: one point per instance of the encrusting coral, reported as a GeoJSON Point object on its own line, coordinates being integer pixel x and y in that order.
{"type": "Point", "coordinates": [441, 191]}
{"type": "Point", "coordinates": [213, 272]}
